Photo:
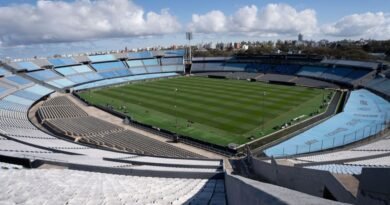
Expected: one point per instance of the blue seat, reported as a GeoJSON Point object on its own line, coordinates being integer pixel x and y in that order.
{"type": "Point", "coordinates": [108, 66]}
{"type": "Point", "coordinates": [364, 115]}
{"type": "Point", "coordinates": [102, 58]}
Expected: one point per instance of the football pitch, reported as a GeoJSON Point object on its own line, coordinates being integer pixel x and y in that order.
{"type": "Point", "coordinates": [217, 111]}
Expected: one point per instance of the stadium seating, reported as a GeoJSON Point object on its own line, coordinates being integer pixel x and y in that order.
{"type": "Point", "coordinates": [352, 160]}
{"type": "Point", "coordinates": [172, 61]}
{"type": "Point", "coordinates": [79, 187]}
{"type": "Point", "coordinates": [287, 69]}
{"type": "Point", "coordinates": [235, 67]}
{"type": "Point", "coordinates": [336, 74]}
{"type": "Point", "coordinates": [197, 67]}
{"type": "Point", "coordinates": [154, 69]}
{"type": "Point", "coordinates": [61, 83]}
{"type": "Point", "coordinates": [140, 55]}
{"type": "Point", "coordinates": [15, 124]}
{"type": "Point", "coordinates": [108, 66]}
{"type": "Point", "coordinates": [151, 62]}
{"type": "Point", "coordinates": [65, 117]}
{"type": "Point", "coordinates": [374, 162]}
{"type": "Point", "coordinates": [113, 81]}
{"type": "Point", "coordinates": [365, 114]}
{"type": "Point", "coordinates": [135, 63]}
{"type": "Point", "coordinates": [59, 62]}
{"type": "Point", "coordinates": [102, 58]}
{"type": "Point", "coordinates": [4, 72]}
{"type": "Point", "coordinates": [313, 83]}
{"type": "Point", "coordinates": [171, 68]}
{"type": "Point", "coordinates": [71, 70]}
{"type": "Point", "coordinates": [355, 75]}
{"type": "Point", "coordinates": [4, 165]}
{"type": "Point", "coordinates": [44, 75]}
{"type": "Point", "coordinates": [338, 168]}
{"type": "Point", "coordinates": [243, 75]}
{"type": "Point", "coordinates": [379, 84]}
{"type": "Point", "coordinates": [17, 81]}
{"type": "Point", "coordinates": [214, 66]}
{"type": "Point", "coordinates": [27, 65]}
{"type": "Point", "coordinates": [276, 77]}
{"type": "Point", "coordinates": [174, 53]}
{"type": "Point", "coordinates": [311, 71]}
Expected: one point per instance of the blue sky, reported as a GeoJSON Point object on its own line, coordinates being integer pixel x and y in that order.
{"type": "Point", "coordinates": [328, 10]}
{"type": "Point", "coordinates": [29, 28]}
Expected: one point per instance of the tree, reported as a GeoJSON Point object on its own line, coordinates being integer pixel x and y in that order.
{"type": "Point", "coordinates": [387, 52]}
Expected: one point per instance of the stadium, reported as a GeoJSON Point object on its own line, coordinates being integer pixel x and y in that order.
{"type": "Point", "coordinates": [163, 126]}
{"type": "Point", "coordinates": [152, 115]}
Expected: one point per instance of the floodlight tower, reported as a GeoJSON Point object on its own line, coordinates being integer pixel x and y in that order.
{"type": "Point", "coordinates": [262, 105]}
{"type": "Point", "coordinates": [176, 135]}
{"type": "Point", "coordinates": [188, 56]}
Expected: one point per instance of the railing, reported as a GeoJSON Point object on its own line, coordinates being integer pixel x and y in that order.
{"type": "Point", "coordinates": [314, 146]}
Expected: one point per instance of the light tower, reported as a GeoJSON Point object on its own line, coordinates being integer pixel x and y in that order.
{"type": "Point", "coordinates": [188, 56]}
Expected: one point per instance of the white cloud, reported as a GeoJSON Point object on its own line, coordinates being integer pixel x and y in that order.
{"type": "Point", "coordinates": [366, 25]}
{"type": "Point", "coordinates": [213, 21]}
{"type": "Point", "coordinates": [274, 19]}
{"type": "Point", "coordinates": [59, 21]}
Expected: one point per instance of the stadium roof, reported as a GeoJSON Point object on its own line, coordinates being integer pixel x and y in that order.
{"type": "Point", "coordinates": [362, 64]}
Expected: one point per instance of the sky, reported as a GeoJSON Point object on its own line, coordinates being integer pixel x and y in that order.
{"type": "Point", "coordinates": [42, 28]}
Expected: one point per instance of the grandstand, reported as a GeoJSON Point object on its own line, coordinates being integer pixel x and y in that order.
{"type": "Point", "coordinates": [76, 157]}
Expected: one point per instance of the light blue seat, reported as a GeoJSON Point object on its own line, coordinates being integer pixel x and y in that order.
{"type": "Point", "coordinates": [172, 53]}
{"type": "Point", "coordinates": [364, 115]}
{"type": "Point", "coordinates": [108, 66]}
{"type": "Point", "coordinates": [113, 81]}
{"type": "Point", "coordinates": [140, 55]}
{"type": "Point", "coordinates": [19, 100]}
{"type": "Point", "coordinates": [138, 71]}
{"type": "Point", "coordinates": [123, 72]}
{"type": "Point", "coordinates": [3, 90]}
{"type": "Point", "coordinates": [169, 68]}
{"type": "Point", "coordinates": [102, 58]}
{"type": "Point", "coordinates": [135, 63]}
{"type": "Point", "coordinates": [57, 62]}
{"type": "Point", "coordinates": [172, 61]}
{"type": "Point", "coordinates": [27, 95]}
{"type": "Point", "coordinates": [65, 71]}
{"type": "Point", "coordinates": [82, 69]}
{"type": "Point", "coordinates": [78, 78]}
{"type": "Point", "coordinates": [151, 62]}
{"type": "Point", "coordinates": [4, 72]}
{"type": "Point", "coordinates": [17, 80]}
{"type": "Point", "coordinates": [93, 76]}
{"type": "Point", "coordinates": [39, 90]}
{"type": "Point", "coordinates": [61, 83]}
{"type": "Point", "coordinates": [43, 75]}
{"type": "Point", "coordinates": [154, 69]}
{"type": "Point", "coordinates": [29, 66]}
{"type": "Point", "coordinates": [72, 70]}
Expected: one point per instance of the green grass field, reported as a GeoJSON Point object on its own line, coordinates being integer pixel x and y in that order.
{"type": "Point", "coordinates": [213, 110]}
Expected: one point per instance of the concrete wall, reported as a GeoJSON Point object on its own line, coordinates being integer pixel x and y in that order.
{"type": "Point", "coordinates": [132, 172]}
{"type": "Point", "coordinates": [308, 181]}
{"type": "Point", "coordinates": [240, 190]}
{"type": "Point", "coordinates": [374, 187]}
